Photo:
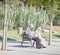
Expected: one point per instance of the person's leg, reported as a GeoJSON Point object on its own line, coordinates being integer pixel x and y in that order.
{"type": "Point", "coordinates": [34, 38]}
{"type": "Point", "coordinates": [37, 41]}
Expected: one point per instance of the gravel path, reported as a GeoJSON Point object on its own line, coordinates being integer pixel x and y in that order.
{"type": "Point", "coordinates": [14, 48]}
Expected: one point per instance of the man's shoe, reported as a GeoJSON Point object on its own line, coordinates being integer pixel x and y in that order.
{"type": "Point", "coordinates": [38, 47]}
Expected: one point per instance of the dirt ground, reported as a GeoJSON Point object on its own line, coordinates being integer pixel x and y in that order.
{"type": "Point", "coordinates": [15, 48]}
{"type": "Point", "coordinates": [55, 28]}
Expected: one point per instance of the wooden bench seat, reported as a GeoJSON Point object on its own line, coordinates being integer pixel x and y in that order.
{"type": "Point", "coordinates": [25, 38]}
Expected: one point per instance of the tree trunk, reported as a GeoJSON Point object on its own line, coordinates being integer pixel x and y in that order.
{"type": "Point", "coordinates": [20, 30]}
{"type": "Point", "coordinates": [4, 26]}
{"type": "Point", "coordinates": [51, 22]}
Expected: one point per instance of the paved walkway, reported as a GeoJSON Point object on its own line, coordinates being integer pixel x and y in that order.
{"type": "Point", "coordinates": [14, 48]}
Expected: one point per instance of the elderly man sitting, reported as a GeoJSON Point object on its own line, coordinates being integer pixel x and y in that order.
{"type": "Point", "coordinates": [28, 34]}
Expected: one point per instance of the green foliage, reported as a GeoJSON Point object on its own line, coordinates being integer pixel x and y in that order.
{"type": "Point", "coordinates": [1, 17]}
{"type": "Point", "coordinates": [47, 6]}
{"type": "Point", "coordinates": [11, 17]}
{"type": "Point", "coordinates": [23, 16]}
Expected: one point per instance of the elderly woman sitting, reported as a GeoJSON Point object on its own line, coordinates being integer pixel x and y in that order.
{"type": "Point", "coordinates": [42, 40]}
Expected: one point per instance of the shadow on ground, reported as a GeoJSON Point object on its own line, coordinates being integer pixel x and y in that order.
{"type": "Point", "coordinates": [25, 44]}
{"type": "Point", "coordinates": [19, 46]}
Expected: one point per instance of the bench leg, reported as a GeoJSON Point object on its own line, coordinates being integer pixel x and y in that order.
{"type": "Point", "coordinates": [22, 43]}
{"type": "Point", "coordinates": [32, 43]}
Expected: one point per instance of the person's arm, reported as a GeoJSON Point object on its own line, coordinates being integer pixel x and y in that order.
{"type": "Point", "coordinates": [27, 30]}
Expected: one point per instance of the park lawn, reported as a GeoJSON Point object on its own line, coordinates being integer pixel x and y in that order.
{"type": "Point", "coordinates": [13, 35]}
{"type": "Point", "coordinates": [54, 35]}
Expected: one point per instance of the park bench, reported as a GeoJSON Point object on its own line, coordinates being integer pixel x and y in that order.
{"type": "Point", "coordinates": [25, 38]}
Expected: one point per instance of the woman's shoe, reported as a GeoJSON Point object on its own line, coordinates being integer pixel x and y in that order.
{"type": "Point", "coordinates": [44, 46]}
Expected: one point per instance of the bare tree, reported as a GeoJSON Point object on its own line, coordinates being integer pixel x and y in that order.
{"type": "Point", "coordinates": [51, 21]}
{"type": "Point", "coordinates": [4, 41]}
